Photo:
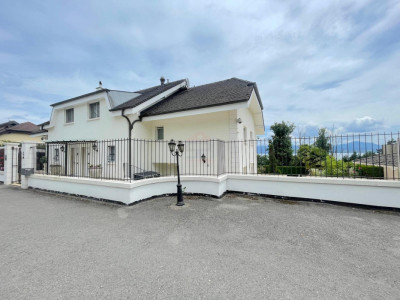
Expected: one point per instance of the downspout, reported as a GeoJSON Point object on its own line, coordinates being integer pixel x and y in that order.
{"type": "Point", "coordinates": [130, 127]}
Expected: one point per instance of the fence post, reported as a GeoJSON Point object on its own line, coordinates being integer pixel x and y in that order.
{"type": "Point", "coordinates": [28, 160]}
{"type": "Point", "coordinates": [10, 160]}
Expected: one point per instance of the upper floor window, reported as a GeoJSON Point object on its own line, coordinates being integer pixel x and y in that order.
{"type": "Point", "coordinates": [160, 133]}
{"type": "Point", "coordinates": [69, 115]}
{"type": "Point", "coordinates": [94, 110]}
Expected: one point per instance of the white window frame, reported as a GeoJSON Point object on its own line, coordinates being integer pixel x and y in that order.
{"type": "Point", "coordinates": [111, 159]}
{"type": "Point", "coordinates": [163, 133]}
{"type": "Point", "coordinates": [73, 115]}
{"type": "Point", "coordinates": [56, 155]}
{"type": "Point", "coordinates": [90, 112]}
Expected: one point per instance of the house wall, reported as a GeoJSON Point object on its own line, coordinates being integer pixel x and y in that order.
{"type": "Point", "coordinates": [246, 151]}
{"type": "Point", "coordinates": [18, 137]}
{"type": "Point", "coordinates": [198, 127]}
{"type": "Point", "coordinates": [83, 128]}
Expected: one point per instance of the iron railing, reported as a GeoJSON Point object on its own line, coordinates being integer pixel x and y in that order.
{"type": "Point", "coordinates": [373, 156]}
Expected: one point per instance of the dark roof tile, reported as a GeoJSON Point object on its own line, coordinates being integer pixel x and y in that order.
{"type": "Point", "coordinates": [217, 93]}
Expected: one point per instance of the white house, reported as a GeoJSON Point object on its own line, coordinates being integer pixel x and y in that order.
{"type": "Point", "coordinates": [228, 110]}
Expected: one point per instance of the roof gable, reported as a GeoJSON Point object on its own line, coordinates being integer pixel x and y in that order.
{"type": "Point", "coordinates": [147, 94]}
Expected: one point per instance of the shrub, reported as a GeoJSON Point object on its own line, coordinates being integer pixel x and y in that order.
{"type": "Point", "coordinates": [369, 171]}
{"type": "Point", "coordinates": [335, 167]}
{"type": "Point", "coordinates": [291, 170]}
{"type": "Point", "coordinates": [284, 170]}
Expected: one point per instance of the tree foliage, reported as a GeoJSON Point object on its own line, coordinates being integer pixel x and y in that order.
{"type": "Point", "coordinates": [311, 156]}
{"type": "Point", "coordinates": [272, 157]}
{"type": "Point", "coordinates": [322, 141]}
{"type": "Point", "coordinates": [282, 143]}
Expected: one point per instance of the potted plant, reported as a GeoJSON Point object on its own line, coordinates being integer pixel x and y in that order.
{"type": "Point", "coordinates": [95, 170]}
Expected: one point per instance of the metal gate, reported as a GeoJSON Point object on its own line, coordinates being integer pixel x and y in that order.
{"type": "Point", "coordinates": [16, 165]}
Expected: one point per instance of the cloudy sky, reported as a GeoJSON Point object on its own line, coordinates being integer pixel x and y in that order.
{"type": "Point", "coordinates": [333, 64]}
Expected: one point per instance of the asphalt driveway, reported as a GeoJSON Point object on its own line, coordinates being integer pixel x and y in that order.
{"type": "Point", "coordinates": [59, 247]}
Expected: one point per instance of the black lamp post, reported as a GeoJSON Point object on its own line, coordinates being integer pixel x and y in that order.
{"type": "Point", "coordinates": [177, 151]}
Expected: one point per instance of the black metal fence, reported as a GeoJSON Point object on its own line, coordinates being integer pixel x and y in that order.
{"type": "Point", "coordinates": [374, 156]}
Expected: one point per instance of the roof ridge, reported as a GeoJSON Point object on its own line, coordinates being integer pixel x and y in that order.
{"type": "Point", "coordinates": [157, 86]}
{"type": "Point", "coordinates": [214, 82]}
{"type": "Point", "coordinates": [120, 91]}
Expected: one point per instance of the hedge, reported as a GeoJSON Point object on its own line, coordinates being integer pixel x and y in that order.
{"type": "Point", "coordinates": [369, 171]}
{"type": "Point", "coordinates": [285, 170]}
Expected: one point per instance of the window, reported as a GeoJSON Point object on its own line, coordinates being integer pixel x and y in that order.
{"type": "Point", "coordinates": [69, 115]}
{"type": "Point", "coordinates": [160, 133]}
{"type": "Point", "coordinates": [111, 153]}
{"type": "Point", "coordinates": [56, 155]}
{"type": "Point", "coordinates": [245, 133]}
{"type": "Point", "coordinates": [94, 110]}
{"type": "Point", "coordinates": [251, 135]}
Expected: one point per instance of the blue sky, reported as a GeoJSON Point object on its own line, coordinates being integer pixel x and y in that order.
{"type": "Point", "coordinates": [331, 64]}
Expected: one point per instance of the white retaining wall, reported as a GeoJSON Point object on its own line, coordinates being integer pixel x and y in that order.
{"type": "Point", "coordinates": [368, 192]}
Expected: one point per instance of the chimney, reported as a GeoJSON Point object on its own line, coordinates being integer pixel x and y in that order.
{"type": "Point", "coordinates": [100, 87]}
{"type": "Point", "coordinates": [162, 79]}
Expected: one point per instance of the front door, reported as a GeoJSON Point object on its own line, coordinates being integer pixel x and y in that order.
{"type": "Point", "coordinates": [78, 163]}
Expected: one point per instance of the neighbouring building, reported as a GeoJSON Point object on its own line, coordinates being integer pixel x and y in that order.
{"type": "Point", "coordinates": [13, 131]}
{"type": "Point", "coordinates": [388, 158]}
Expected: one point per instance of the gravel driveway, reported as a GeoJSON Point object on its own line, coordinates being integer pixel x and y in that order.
{"type": "Point", "coordinates": [59, 247]}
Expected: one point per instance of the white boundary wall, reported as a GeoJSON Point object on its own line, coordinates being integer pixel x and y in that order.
{"type": "Point", "coordinates": [383, 193]}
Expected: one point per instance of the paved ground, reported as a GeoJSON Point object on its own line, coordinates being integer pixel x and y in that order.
{"type": "Point", "coordinates": [58, 247]}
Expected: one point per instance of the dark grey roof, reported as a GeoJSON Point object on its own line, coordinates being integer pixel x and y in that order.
{"type": "Point", "coordinates": [81, 96]}
{"type": "Point", "coordinates": [228, 91]}
{"type": "Point", "coordinates": [8, 124]}
{"type": "Point", "coordinates": [43, 124]}
{"type": "Point", "coordinates": [147, 94]}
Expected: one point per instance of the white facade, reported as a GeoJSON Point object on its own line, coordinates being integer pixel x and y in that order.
{"type": "Point", "coordinates": [219, 122]}
{"type": "Point", "coordinates": [229, 122]}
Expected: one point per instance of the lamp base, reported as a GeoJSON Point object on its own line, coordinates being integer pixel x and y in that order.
{"type": "Point", "coordinates": [179, 201]}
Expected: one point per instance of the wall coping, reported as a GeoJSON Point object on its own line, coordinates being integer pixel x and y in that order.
{"type": "Point", "coordinates": [275, 178]}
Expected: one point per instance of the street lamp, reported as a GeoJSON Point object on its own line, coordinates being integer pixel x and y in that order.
{"type": "Point", "coordinates": [177, 151]}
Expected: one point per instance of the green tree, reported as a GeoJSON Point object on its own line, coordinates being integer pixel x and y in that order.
{"type": "Point", "coordinates": [262, 163]}
{"type": "Point", "coordinates": [352, 157]}
{"type": "Point", "coordinates": [311, 156]}
{"type": "Point", "coordinates": [322, 141]}
{"type": "Point", "coordinates": [282, 142]}
{"type": "Point", "coordinates": [272, 157]}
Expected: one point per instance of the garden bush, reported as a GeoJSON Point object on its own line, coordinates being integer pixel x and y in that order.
{"type": "Point", "coordinates": [369, 171]}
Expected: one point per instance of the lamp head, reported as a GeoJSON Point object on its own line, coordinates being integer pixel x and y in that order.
{"type": "Point", "coordinates": [171, 145]}
{"type": "Point", "coordinates": [181, 146]}
{"type": "Point", "coordinates": [203, 158]}
{"type": "Point", "coordinates": [94, 147]}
